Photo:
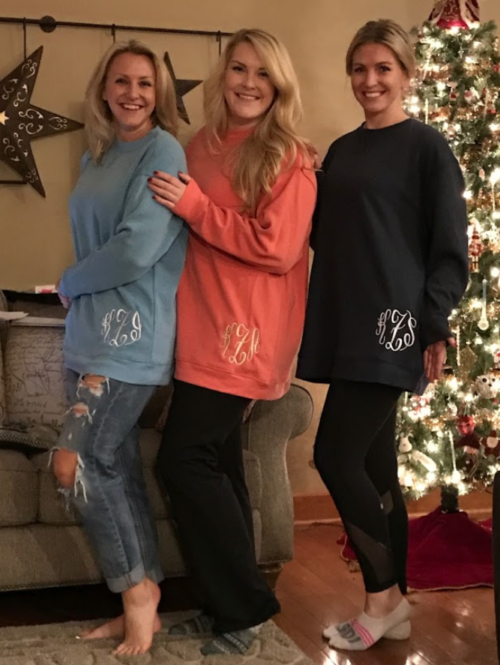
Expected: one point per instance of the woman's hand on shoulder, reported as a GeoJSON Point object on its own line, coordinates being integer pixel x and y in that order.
{"type": "Point", "coordinates": [168, 190]}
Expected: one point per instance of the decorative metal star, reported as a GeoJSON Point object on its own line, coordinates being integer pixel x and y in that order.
{"type": "Point", "coordinates": [182, 87]}
{"type": "Point", "coordinates": [22, 122]}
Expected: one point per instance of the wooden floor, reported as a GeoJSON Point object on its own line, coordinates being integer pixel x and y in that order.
{"type": "Point", "coordinates": [316, 589]}
{"type": "Point", "coordinates": [449, 628]}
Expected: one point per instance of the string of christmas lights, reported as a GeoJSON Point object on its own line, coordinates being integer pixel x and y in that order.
{"type": "Point", "coordinates": [448, 437]}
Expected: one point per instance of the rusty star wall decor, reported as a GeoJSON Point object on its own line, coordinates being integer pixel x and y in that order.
{"type": "Point", "coordinates": [21, 122]}
{"type": "Point", "coordinates": [182, 87]}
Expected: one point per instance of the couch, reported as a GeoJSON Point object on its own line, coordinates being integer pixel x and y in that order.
{"type": "Point", "coordinates": [41, 543]}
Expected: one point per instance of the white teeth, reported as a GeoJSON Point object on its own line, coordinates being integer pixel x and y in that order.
{"type": "Point", "coordinates": [247, 97]}
{"type": "Point", "coordinates": [373, 94]}
{"type": "Point", "coordinates": [131, 107]}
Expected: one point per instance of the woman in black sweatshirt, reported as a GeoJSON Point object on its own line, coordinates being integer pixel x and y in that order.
{"type": "Point", "coordinates": [390, 264]}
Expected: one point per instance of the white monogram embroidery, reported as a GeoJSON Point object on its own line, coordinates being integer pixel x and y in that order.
{"type": "Point", "coordinates": [121, 328]}
{"type": "Point", "coordinates": [395, 329]}
{"type": "Point", "coordinates": [240, 343]}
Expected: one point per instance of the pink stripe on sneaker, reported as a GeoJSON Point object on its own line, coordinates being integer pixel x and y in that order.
{"type": "Point", "coordinates": [364, 634]}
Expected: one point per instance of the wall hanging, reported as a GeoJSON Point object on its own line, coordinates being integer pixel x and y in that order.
{"type": "Point", "coordinates": [21, 121]}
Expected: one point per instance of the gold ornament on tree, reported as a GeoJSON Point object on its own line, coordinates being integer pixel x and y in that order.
{"type": "Point", "coordinates": [467, 361]}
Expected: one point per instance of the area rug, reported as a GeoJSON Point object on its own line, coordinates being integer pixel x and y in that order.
{"type": "Point", "coordinates": [55, 644]}
{"type": "Point", "coordinates": [445, 551]}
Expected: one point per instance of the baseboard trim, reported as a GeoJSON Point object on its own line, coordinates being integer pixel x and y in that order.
{"type": "Point", "coordinates": [319, 508]}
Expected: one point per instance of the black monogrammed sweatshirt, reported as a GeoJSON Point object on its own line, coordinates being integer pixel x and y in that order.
{"type": "Point", "coordinates": [390, 256]}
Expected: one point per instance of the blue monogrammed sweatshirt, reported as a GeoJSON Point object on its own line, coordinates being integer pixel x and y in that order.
{"type": "Point", "coordinates": [390, 261]}
{"type": "Point", "coordinates": [129, 257]}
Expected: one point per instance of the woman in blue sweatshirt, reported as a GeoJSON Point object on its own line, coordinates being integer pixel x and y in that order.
{"type": "Point", "coordinates": [120, 330]}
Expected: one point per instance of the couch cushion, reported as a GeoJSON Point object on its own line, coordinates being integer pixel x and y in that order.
{"type": "Point", "coordinates": [34, 375]}
{"type": "Point", "coordinates": [18, 489]}
{"type": "Point", "coordinates": [52, 508]}
{"type": "Point", "coordinates": [3, 333]}
{"type": "Point", "coordinates": [3, 407]}
{"type": "Point", "coordinates": [27, 438]}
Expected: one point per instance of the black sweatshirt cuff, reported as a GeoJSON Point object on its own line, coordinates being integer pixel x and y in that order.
{"type": "Point", "coordinates": [435, 329]}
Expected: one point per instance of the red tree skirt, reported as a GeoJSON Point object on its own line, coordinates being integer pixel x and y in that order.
{"type": "Point", "coordinates": [445, 551]}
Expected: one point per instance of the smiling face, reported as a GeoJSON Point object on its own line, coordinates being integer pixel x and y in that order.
{"type": "Point", "coordinates": [131, 96]}
{"type": "Point", "coordinates": [379, 84]}
{"type": "Point", "coordinates": [248, 90]}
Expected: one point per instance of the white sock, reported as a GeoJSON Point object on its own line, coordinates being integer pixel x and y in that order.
{"type": "Point", "coordinates": [364, 631]}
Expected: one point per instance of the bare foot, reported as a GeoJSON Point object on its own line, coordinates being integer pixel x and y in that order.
{"type": "Point", "coordinates": [140, 604]}
{"type": "Point", "coordinates": [114, 629]}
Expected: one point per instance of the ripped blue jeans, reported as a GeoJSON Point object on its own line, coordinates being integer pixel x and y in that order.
{"type": "Point", "coordinates": [109, 491]}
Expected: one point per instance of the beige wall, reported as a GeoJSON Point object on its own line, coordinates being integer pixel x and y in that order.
{"type": "Point", "coordinates": [34, 233]}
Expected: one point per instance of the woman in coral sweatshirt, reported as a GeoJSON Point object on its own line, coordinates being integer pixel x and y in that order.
{"type": "Point", "coordinates": [248, 201]}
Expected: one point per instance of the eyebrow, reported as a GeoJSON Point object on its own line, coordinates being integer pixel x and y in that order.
{"type": "Point", "coordinates": [238, 62]}
{"type": "Point", "coordinates": [150, 78]}
{"type": "Point", "coordinates": [385, 62]}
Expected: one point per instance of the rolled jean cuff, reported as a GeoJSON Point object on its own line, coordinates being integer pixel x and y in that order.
{"type": "Point", "coordinates": [156, 574]}
{"type": "Point", "coordinates": [126, 582]}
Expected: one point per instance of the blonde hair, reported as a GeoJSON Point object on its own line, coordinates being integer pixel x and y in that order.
{"type": "Point", "coordinates": [98, 117]}
{"type": "Point", "coordinates": [390, 34]}
{"type": "Point", "coordinates": [259, 159]}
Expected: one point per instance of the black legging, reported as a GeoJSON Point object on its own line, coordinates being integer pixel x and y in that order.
{"type": "Point", "coordinates": [201, 465]}
{"type": "Point", "coordinates": [355, 454]}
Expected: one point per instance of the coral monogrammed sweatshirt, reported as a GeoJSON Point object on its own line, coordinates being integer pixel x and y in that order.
{"type": "Point", "coordinates": [242, 295]}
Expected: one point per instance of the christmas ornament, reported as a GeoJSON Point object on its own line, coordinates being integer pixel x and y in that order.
{"type": "Point", "coordinates": [470, 463]}
{"type": "Point", "coordinates": [469, 439]}
{"type": "Point", "coordinates": [448, 14]}
{"type": "Point", "coordinates": [467, 362]}
{"type": "Point", "coordinates": [483, 323]}
{"type": "Point", "coordinates": [491, 444]}
{"type": "Point", "coordinates": [404, 445]}
{"type": "Point", "coordinates": [471, 95]}
{"type": "Point", "coordinates": [475, 250]}
{"type": "Point", "coordinates": [486, 385]}
{"type": "Point", "coordinates": [428, 463]}
{"type": "Point", "coordinates": [465, 424]}
{"type": "Point", "coordinates": [182, 87]}
{"type": "Point", "coordinates": [22, 122]}
{"type": "Point", "coordinates": [406, 478]}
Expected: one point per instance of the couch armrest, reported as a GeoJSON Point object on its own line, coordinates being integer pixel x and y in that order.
{"type": "Point", "coordinates": [269, 428]}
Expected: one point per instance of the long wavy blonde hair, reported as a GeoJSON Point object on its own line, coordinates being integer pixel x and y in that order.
{"type": "Point", "coordinates": [99, 126]}
{"type": "Point", "coordinates": [388, 33]}
{"type": "Point", "coordinates": [275, 142]}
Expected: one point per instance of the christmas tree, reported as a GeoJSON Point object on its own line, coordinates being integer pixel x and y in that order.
{"type": "Point", "coordinates": [450, 437]}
